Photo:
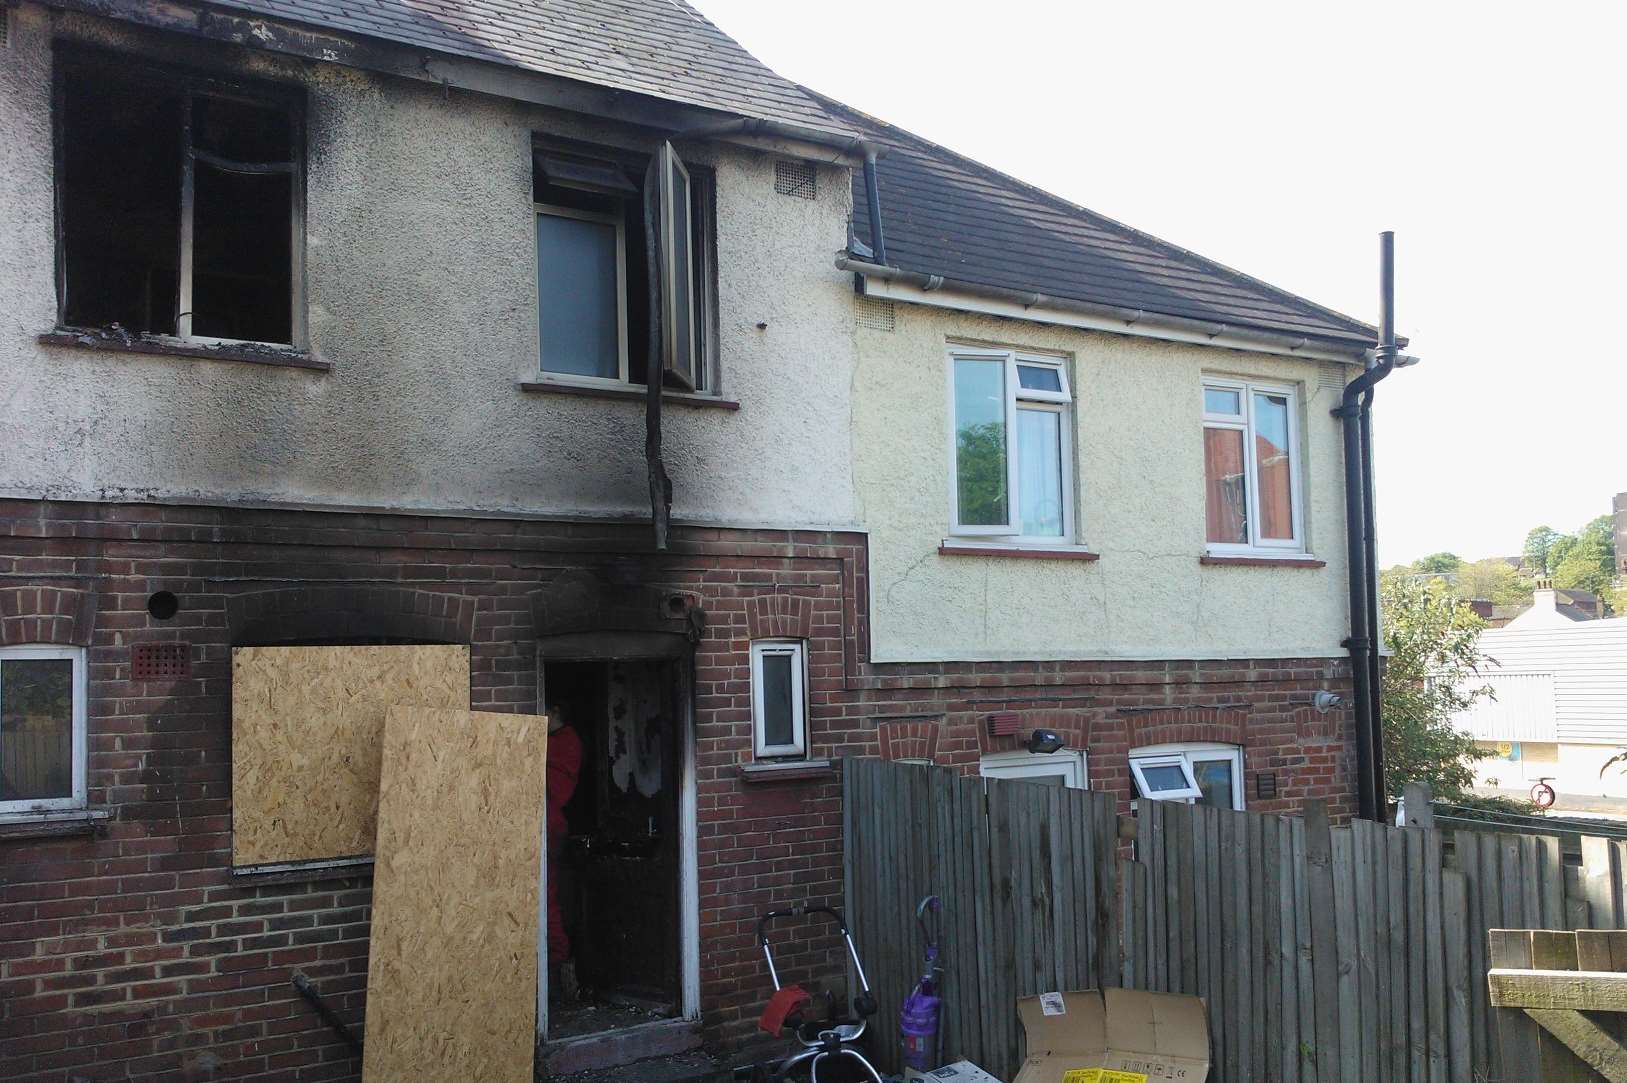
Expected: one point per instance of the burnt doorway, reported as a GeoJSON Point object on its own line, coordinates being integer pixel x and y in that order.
{"type": "Point", "coordinates": [617, 880]}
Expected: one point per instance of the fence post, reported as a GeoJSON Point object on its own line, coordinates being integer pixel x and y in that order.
{"type": "Point", "coordinates": [1417, 801]}
{"type": "Point", "coordinates": [1324, 938]}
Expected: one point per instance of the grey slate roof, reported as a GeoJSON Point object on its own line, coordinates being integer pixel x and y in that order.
{"type": "Point", "coordinates": [662, 48]}
{"type": "Point", "coordinates": [945, 214]}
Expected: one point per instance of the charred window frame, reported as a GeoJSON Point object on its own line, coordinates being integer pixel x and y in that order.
{"type": "Point", "coordinates": [196, 131]}
{"type": "Point", "coordinates": [589, 182]}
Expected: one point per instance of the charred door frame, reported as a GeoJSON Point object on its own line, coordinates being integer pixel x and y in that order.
{"type": "Point", "coordinates": [641, 646]}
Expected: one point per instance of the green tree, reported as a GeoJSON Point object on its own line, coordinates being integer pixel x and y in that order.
{"type": "Point", "coordinates": [1537, 545]}
{"type": "Point", "coordinates": [980, 473]}
{"type": "Point", "coordinates": [1589, 563]}
{"type": "Point", "coordinates": [1438, 563]}
{"type": "Point", "coordinates": [1435, 658]}
{"type": "Point", "coordinates": [1494, 579]}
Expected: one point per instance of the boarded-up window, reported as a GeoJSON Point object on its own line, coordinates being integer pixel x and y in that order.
{"type": "Point", "coordinates": [307, 730]}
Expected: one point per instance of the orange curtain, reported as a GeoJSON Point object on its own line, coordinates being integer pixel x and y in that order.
{"type": "Point", "coordinates": [1226, 491]}
{"type": "Point", "coordinates": [1276, 490]}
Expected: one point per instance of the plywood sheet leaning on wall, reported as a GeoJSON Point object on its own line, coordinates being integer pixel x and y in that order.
{"type": "Point", "coordinates": [307, 727]}
{"type": "Point", "coordinates": [452, 967]}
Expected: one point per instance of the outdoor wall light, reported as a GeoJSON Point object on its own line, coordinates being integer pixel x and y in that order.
{"type": "Point", "coordinates": [1046, 741]}
{"type": "Point", "coordinates": [1325, 701]}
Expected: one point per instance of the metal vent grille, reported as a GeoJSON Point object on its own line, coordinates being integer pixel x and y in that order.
{"type": "Point", "coordinates": [876, 314]}
{"type": "Point", "coordinates": [795, 179]}
{"type": "Point", "coordinates": [1333, 376]}
{"type": "Point", "coordinates": [160, 661]}
{"type": "Point", "coordinates": [5, 26]}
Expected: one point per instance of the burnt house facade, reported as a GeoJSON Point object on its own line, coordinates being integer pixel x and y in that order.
{"type": "Point", "coordinates": [339, 329]}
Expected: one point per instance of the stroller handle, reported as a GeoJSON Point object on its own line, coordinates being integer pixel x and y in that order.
{"type": "Point", "coordinates": [806, 910]}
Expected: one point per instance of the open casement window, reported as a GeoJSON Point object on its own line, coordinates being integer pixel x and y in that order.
{"type": "Point", "coordinates": [1251, 467]}
{"type": "Point", "coordinates": [1066, 769]}
{"type": "Point", "coordinates": [779, 703]}
{"type": "Point", "coordinates": [1209, 774]}
{"type": "Point", "coordinates": [180, 204]}
{"type": "Point", "coordinates": [595, 305]}
{"type": "Point", "coordinates": [42, 729]}
{"type": "Point", "coordinates": [1011, 455]}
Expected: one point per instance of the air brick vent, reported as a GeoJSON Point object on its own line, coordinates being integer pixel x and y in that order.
{"type": "Point", "coordinates": [1333, 376]}
{"type": "Point", "coordinates": [160, 661]}
{"type": "Point", "coordinates": [876, 313]}
{"type": "Point", "coordinates": [795, 179]}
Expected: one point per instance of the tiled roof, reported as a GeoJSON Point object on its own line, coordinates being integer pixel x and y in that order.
{"type": "Point", "coordinates": [945, 214]}
{"type": "Point", "coordinates": [662, 48]}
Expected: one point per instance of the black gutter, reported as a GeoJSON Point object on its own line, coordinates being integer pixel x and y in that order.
{"type": "Point", "coordinates": [1355, 412]}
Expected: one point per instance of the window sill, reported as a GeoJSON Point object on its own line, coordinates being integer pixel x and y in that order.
{"type": "Point", "coordinates": [1242, 560]}
{"type": "Point", "coordinates": [952, 547]}
{"type": "Point", "coordinates": [41, 825]}
{"type": "Point", "coordinates": [786, 770]}
{"type": "Point", "coordinates": [168, 346]}
{"type": "Point", "coordinates": [678, 398]}
{"type": "Point", "coordinates": [307, 872]}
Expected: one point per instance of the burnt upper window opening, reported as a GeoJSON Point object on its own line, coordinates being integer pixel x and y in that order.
{"type": "Point", "coordinates": [593, 267]}
{"type": "Point", "coordinates": [179, 203]}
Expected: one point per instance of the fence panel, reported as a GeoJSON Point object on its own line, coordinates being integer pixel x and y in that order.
{"type": "Point", "coordinates": [1324, 954]}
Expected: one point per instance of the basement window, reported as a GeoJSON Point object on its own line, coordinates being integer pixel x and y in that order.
{"type": "Point", "coordinates": [595, 305]}
{"type": "Point", "coordinates": [180, 204]}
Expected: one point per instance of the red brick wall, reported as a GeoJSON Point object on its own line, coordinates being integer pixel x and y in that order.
{"type": "Point", "coordinates": [133, 952]}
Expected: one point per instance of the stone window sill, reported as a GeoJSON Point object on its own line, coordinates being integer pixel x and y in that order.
{"type": "Point", "coordinates": [955, 547]}
{"type": "Point", "coordinates": [1240, 560]}
{"type": "Point", "coordinates": [786, 770]}
{"type": "Point", "coordinates": [677, 398]}
{"type": "Point", "coordinates": [168, 346]}
{"type": "Point", "coordinates": [45, 825]}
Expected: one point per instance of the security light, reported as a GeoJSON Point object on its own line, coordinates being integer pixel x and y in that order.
{"type": "Point", "coordinates": [1046, 741]}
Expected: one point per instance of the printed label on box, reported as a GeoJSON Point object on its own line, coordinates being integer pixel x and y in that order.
{"type": "Point", "coordinates": [1053, 1004]}
{"type": "Point", "coordinates": [1101, 1075]}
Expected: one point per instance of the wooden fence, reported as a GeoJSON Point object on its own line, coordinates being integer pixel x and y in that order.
{"type": "Point", "coordinates": [1325, 954]}
{"type": "Point", "coordinates": [1561, 1003]}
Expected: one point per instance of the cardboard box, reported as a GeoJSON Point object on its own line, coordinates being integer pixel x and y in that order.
{"type": "Point", "coordinates": [962, 1071]}
{"type": "Point", "coordinates": [1114, 1036]}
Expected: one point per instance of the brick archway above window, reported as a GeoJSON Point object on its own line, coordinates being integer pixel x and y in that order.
{"type": "Point", "coordinates": [1186, 725]}
{"type": "Point", "coordinates": [342, 612]}
{"type": "Point", "coordinates": [909, 738]}
{"type": "Point", "coordinates": [46, 615]}
{"type": "Point", "coordinates": [780, 616]}
{"type": "Point", "coordinates": [1072, 724]}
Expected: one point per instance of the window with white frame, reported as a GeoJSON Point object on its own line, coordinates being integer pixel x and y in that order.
{"type": "Point", "coordinates": [1066, 769]}
{"type": "Point", "coordinates": [779, 698]}
{"type": "Point", "coordinates": [42, 729]}
{"type": "Point", "coordinates": [595, 306]}
{"type": "Point", "coordinates": [1011, 459]}
{"type": "Point", "coordinates": [1251, 467]}
{"type": "Point", "coordinates": [1209, 774]}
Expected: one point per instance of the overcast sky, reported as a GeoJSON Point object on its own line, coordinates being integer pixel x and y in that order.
{"type": "Point", "coordinates": [1280, 139]}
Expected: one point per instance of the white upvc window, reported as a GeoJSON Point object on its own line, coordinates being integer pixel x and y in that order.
{"type": "Point", "coordinates": [1251, 468]}
{"type": "Point", "coordinates": [42, 729]}
{"type": "Point", "coordinates": [779, 698]}
{"type": "Point", "coordinates": [1066, 768]}
{"type": "Point", "coordinates": [1209, 774]}
{"type": "Point", "coordinates": [1011, 447]}
{"type": "Point", "coordinates": [595, 311]}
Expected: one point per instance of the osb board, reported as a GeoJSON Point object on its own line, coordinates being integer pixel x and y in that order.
{"type": "Point", "coordinates": [452, 964]}
{"type": "Point", "coordinates": [307, 727]}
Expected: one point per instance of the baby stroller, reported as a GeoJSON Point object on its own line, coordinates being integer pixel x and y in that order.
{"type": "Point", "coordinates": [822, 1041]}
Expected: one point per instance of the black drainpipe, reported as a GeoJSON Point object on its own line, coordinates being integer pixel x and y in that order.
{"type": "Point", "coordinates": [1355, 412]}
{"type": "Point", "coordinates": [872, 192]}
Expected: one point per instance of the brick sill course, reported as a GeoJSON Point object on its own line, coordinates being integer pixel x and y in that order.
{"type": "Point", "coordinates": [1261, 562]}
{"type": "Point", "coordinates": [315, 872]}
{"type": "Point", "coordinates": [677, 398]}
{"type": "Point", "coordinates": [166, 346]}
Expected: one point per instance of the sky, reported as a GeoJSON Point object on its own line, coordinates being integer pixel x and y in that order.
{"type": "Point", "coordinates": [1280, 139]}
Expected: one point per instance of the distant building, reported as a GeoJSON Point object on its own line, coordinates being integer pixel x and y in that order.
{"type": "Point", "coordinates": [1550, 606]}
{"type": "Point", "coordinates": [1559, 704]}
{"type": "Point", "coordinates": [1620, 509]}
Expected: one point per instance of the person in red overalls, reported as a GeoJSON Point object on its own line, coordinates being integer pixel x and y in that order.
{"type": "Point", "coordinates": [564, 767]}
